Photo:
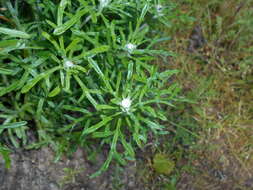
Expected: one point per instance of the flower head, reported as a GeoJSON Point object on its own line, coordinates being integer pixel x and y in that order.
{"type": "Point", "coordinates": [104, 3]}
{"type": "Point", "coordinates": [126, 104]}
{"type": "Point", "coordinates": [159, 9]}
{"type": "Point", "coordinates": [68, 64]}
{"type": "Point", "coordinates": [130, 47]}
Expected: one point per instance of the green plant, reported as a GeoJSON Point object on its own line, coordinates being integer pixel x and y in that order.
{"type": "Point", "coordinates": [69, 176]}
{"type": "Point", "coordinates": [80, 70]}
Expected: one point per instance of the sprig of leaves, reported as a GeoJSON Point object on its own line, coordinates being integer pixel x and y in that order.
{"type": "Point", "coordinates": [80, 70]}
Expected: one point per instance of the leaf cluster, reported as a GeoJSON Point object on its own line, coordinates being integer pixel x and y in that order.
{"type": "Point", "coordinates": [75, 71]}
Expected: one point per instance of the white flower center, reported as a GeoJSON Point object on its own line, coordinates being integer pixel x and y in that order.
{"type": "Point", "coordinates": [159, 10]}
{"type": "Point", "coordinates": [126, 104]}
{"type": "Point", "coordinates": [104, 3]}
{"type": "Point", "coordinates": [68, 64]}
{"type": "Point", "coordinates": [130, 47]}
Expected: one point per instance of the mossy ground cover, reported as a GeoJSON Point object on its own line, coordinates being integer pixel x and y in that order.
{"type": "Point", "coordinates": [214, 54]}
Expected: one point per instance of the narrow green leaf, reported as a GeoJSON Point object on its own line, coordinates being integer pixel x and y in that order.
{"type": "Point", "coordinates": [105, 107]}
{"type": "Point", "coordinates": [100, 73]}
{"type": "Point", "coordinates": [119, 77]}
{"type": "Point", "coordinates": [113, 35]}
{"type": "Point", "coordinates": [14, 33]}
{"type": "Point", "coordinates": [6, 156]}
{"type": "Point", "coordinates": [85, 35]}
{"type": "Point", "coordinates": [7, 71]}
{"type": "Point", "coordinates": [14, 13]}
{"type": "Point", "coordinates": [139, 139]}
{"type": "Point", "coordinates": [161, 116]}
{"type": "Point", "coordinates": [15, 85]}
{"type": "Point", "coordinates": [8, 89]}
{"type": "Point", "coordinates": [62, 77]}
{"type": "Point", "coordinates": [23, 135]}
{"type": "Point", "coordinates": [80, 68]}
{"type": "Point", "coordinates": [96, 67]}
{"type": "Point", "coordinates": [40, 106]}
{"type": "Point", "coordinates": [92, 52]}
{"type": "Point", "coordinates": [103, 134]}
{"type": "Point", "coordinates": [73, 44]}
{"type": "Point", "coordinates": [97, 126]}
{"type": "Point", "coordinates": [119, 158]}
{"type": "Point", "coordinates": [13, 138]}
{"type": "Point", "coordinates": [153, 125]}
{"type": "Point", "coordinates": [130, 70]}
{"type": "Point", "coordinates": [150, 111]}
{"type": "Point", "coordinates": [61, 41]}
{"type": "Point", "coordinates": [128, 147]}
{"type": "Point", "coordinates": [60, 12]}
{"type": "Point", "coordinates": [168, 73]}
{"type": "Point", "coordinates": [53, 25]}
{"type": "Point", "coordinates": [13, 125]}
{"type": "Point", "coordinates": [116, 135]}
{"type": "Point", "coordinates": [67, 127]}
{"type": "Point", "coordinates": [7, 43]}
{"type": "Point", "coordinates": [144, 11]}
{"type": "Point", "coordinates": [18, 132]}
{"type": "Point", "coordinates": [158, 101]}
{"type": "Point", "coordinates": [54, 92]}
{"type": "Point", "coordinates": [51, 39]}
{"type": "Point", "coordinates": [67, 82]}
{"type": "Point", "coordinates": [105, 165]}
{"type": "Point", "coordinates": [86, 91]}
{"type": "Point", "coordinates": [34, 81]}
{"type": "Point", "coordinates": [143, 93]}
{"type": "Point", "coordinates": [73, 108]}
{"type": "Point", "coordinates": [62, 28]}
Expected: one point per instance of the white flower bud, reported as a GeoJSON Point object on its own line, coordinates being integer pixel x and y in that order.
{"type": "Point", "coordinates": [68, 64]}
{"type": "Point", "coordinates": [159, 10]}
{"type": "Point", "coordinates": [104, 3]}
{"type": "Point", "coordinates": [126, 104]}
{"type": "Point", "coordinates": [130, 47]}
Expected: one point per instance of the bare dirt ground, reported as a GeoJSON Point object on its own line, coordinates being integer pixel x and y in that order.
{"type": "Point", "coordinates": [36, 170]}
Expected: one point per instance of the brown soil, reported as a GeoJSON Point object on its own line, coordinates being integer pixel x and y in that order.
{"type": "Point", "coordinates": [35, 170]}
